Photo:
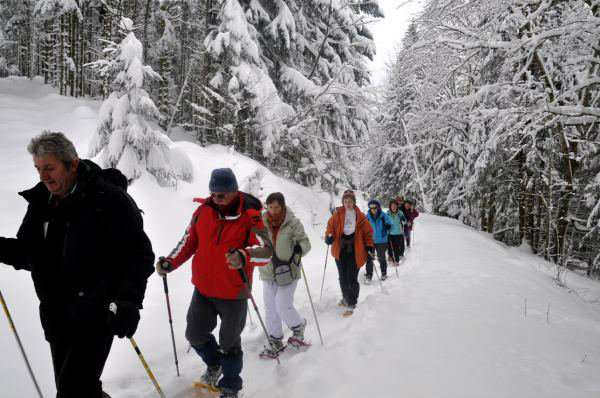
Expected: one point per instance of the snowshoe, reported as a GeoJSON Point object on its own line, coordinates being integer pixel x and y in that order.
{"type": "Point", "coordinates": [274, 349]}
{"type": "Point", "coordinates": [228, 393]}
{"type": "Point", "coordinates": [383, 277]}
{"type": "Point", "coordinates": [300, 345]}
{"type": "Point", "coordinates": [348, 312]}
{"type": "Point", "coordinates": [207, 387]}
{"type": "Point", "coordinates": [210, 378]}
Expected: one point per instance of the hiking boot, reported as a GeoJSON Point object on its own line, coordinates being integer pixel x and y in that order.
{"type": "Point", "coordinates": [299, 331]}
{"type": "Point", "coordinates": [211, 376]}
{"type": "Point", "coordinates": [368, 279]}
{"type": "Point", "coordinates": [227, 393]}
{"type": "Point", "coordinates": [275, 348]}
{"type": "Point", "coordinates": [343, 303]}
{"type": "Point", "coordinates": [383, 277]}
{"type": "Point", "coordinates": [349, 311]}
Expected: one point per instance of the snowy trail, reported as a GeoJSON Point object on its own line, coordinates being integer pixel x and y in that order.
{"type": "Point", "coordinates": [453, 323]}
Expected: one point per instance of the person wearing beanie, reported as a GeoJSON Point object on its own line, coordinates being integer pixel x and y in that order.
{"type": "Point", "coordinates": [381, 224]}
{"type": "Point", "coordinates": [351, 237]}
{"type": "Point", "coordinates": [226, 234]}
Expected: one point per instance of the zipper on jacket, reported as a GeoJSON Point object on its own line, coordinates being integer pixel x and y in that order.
{"type": "Point", "coordinates": [220, 231]}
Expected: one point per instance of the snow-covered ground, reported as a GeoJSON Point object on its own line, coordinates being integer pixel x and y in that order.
{"type": "Point", "coordinates": [452, 323]}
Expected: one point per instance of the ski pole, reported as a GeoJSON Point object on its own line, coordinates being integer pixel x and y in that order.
{"type": "Point", "coordinates": [14, 329]}
{"type": "Point", "coordinates": [324, 269]}
{"type": "Point", "coordinates": [166, 286]}
{"type": "Point", "coordinates": [312, 305]}
{"type": "Point", "coordinates": [394, 258]}
{"type": "Point", "coordinates": [245, 281]}
{"type": "Point", "coordinates": [250, 316]}
{"type": "Point", "coordinates": [375, 269]}
{"type": "Point", "coordinates": [113, 309]}
{"type": "Point", "coordinates": [413, 232]}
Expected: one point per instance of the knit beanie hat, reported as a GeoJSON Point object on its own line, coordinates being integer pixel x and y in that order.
{"type": "Point", "coordinates": [374, 202]}
{"type": "Point", "coordinates": [349, 194]}
{"type": "Point", "coordinates": [222, 180]}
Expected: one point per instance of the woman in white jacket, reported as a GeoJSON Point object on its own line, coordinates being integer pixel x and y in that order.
{"type": "Point", "coordinates": [280, 277]}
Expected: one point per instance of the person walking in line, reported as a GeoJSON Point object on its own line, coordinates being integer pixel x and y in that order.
{"type": "Point", "coordinates": [381, 224]}
{"type": "Point", "coordinates": [351, 237]}
{"type": "Point", "coordinates": [83, 241]}
{"type": "Point", "coordinates": [226, 234]}
{"type": "Point", "coordinates": [396, 233]}
{"type": "Point", "coordinates": [410, 213]}
{"type": "Point", "coordinates": [280, 277]}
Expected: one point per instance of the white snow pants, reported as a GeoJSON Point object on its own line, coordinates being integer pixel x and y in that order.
{"type": "Point", "coordinates": [279, 305]}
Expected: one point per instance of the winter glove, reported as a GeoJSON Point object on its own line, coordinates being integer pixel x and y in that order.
{"type": "Point", "coordinates": [124, 318]}
{"type": "Point", "coordinates": [371, 251]}
{"type": "Point", "coordinates": [298, 249]}
{"type": "Point", "coordinates": [163, 266]}
{"type": "Point", "coordinates": [329, 239]}
{"type": "Point", "coordinates": [388, 226]}
{"type": "Point", "coordinates": [236, 258]}
{"type": "Point", "coordinates": [297, 255]}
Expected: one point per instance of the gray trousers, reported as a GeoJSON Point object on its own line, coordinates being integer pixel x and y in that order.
{"type": "Point", "coordinates": [202, 320]}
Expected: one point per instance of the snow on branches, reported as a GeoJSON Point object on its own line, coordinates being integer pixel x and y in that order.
{"type": "Point", "coordinates": [126, 137]}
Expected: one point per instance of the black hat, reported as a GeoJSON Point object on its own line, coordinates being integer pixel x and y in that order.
{"type": "Point", "coordinates": [222, 180]}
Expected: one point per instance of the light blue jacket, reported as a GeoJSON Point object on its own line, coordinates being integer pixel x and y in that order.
{"type": "Point", "coordinates": [398, 222]}
{"type": "Point", "coordinates": [378, 222]}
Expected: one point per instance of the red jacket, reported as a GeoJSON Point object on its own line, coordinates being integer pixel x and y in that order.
{"type": "Point", "coordinates": [210, 235]}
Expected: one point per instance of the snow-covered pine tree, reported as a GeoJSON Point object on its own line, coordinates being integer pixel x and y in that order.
{"type": "Point", "coordinates": [506, 119]}
{"type": "Point", "coordinates": [243, 78]}
{"type": "Point", "coordinates": [127, 138]}
{"type": "Point", "coordinates": [166, 49]}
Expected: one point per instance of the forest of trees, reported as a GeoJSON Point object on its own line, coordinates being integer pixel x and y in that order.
{"type": "Point", "coordinates": [491, 115]}
{"type": "Point", "coordinates": [279, 80]}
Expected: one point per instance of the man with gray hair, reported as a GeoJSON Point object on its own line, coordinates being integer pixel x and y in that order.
{"type": "Point", "coordinates": [83, 241]}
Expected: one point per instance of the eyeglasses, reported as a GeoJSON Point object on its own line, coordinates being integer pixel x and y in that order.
{"type": "Point", "coordinates": [218, 195]}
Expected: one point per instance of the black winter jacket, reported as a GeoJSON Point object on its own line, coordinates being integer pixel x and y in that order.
{"type": "Point", "coordinates": [84, 254]}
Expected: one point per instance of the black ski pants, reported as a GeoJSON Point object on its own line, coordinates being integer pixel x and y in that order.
{"type": "Point", "coordinates": [380, 248]}
{"type": "Point", "coordinates": [396, 243]}
{"type": "Point", "coordinates": [348, 276]}
{"type": "Point", "coordinates": [78, 364]}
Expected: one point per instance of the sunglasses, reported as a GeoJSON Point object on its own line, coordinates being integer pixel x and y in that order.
{"type": "Point", "coordinates": [218, 195]}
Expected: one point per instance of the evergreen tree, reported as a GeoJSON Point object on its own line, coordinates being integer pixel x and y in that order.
{"type": "Point", "coordinates": [126, 137]}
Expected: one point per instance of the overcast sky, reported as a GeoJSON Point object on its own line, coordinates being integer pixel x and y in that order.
{"type": "Point", "coordinates": [388, 32]}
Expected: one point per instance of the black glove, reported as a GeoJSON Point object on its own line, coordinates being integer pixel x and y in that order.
{"type": "Point", "coordinates": [298, 249]}
{"type": "Point", "coordinates": [163, 266]}
{"type": "Point", "coordinates": [371, 250]}
{"type": "Point", "coordinates": [388, 226]}
{"type": "Point", "coordinates": [329, 239]}
{"type": "Point", "coordinates": [125, 320]}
